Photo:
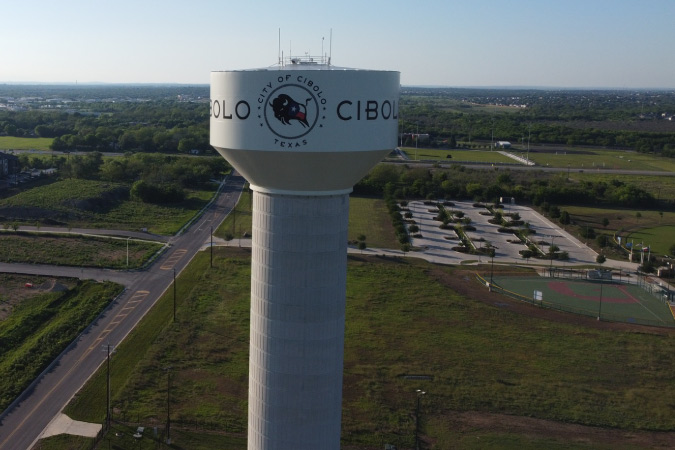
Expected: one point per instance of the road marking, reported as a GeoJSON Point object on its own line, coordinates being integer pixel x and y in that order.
{"type": "Point", "coordinates": [129, 306]}
{"type": "Point", "coordinates": [173, 259]}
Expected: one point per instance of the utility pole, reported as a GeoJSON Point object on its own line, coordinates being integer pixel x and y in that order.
{"type": "Point", "coordinates": [211, 247]}
{"type": "Point", "coordinates": [107, 403]}
{"type": "Point", "coordinates": [174, 294]}
{"type": "Point", "coordinates": [168, 405]}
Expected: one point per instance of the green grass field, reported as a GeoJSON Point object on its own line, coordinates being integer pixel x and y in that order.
{"type": "Point", "coordinates": [369, 217]}
{"type": "Point", "coordinates": [654, 228]}
{"type": "Point", "coordinates": [608, 299]}
{"type": "Point", "coordinates": [659, 239]}
{"type": "Point", "coordinates": [402, 318]}
{"type": "Point", "coordinates": [593, 159]}
{"type": "Point", "coordinates": [81, 251]}
{"type": "Point", "coordinates": [18, 143]}
{"type": "Point", "coordinates": [482, 156]}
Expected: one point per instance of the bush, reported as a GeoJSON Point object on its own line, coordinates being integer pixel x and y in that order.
{"type": "Point", "coordinates": [602, 240]}
{"type": "Point", "coordinates": [587, 232]}
{"type": "Point", "coordinates": [152, 193]}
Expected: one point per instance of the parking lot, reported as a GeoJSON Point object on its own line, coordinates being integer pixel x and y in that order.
{"type": "Point", "coordinates": [437, 243]}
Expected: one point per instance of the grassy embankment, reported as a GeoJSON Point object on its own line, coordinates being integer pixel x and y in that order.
{"type": "Point", "coordinates": [41, 326]}
{"type": "Point", "coordinates": [402, 318]}
{"type": "Point", "coordinates": [18, 143]}
{"type": "Point", "coordinates": [97, 204]}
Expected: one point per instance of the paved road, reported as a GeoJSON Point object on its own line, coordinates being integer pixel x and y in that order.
{"type": "Point", "coordinates": [23, 422]}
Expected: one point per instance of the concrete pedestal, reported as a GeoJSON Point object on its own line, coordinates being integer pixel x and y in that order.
{"type": "Point", "coordinates": [298, 288]}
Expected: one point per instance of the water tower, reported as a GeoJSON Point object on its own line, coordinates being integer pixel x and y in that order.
{"type": "Point", "coordinates": [302, 133]}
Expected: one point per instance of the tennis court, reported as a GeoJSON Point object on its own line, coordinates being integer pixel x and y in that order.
{"type": "Point", "coordinates": [607, 299]}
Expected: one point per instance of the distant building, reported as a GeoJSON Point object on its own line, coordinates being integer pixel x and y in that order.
{"type": "Point", "coordinates": [503, 144]}
{"type": "Point", "coordinates": [9, 165]}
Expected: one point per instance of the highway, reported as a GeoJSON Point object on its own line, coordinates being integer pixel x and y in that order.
{"type": "Point", "coordinates": [23, 422]}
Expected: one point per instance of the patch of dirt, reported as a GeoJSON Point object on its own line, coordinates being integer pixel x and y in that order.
{"type": "Point", "coordinates": [473, 421]}
{"type": "Point", "coordinates": [13, 289]}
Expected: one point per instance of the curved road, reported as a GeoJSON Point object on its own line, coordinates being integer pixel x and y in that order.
{"type": "Point", "coordinates": [23, 422]}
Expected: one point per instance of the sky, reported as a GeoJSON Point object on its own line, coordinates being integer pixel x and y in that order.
{"type": "Point", "coordinates": [457, 43]}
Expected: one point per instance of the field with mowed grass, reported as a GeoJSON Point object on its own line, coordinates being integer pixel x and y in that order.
{"type": "Point", "coordinates": [654, 228]}
{"type": "Point", "coordinates": [594, 159]}
{"type": "Point", "coordinates": [369, 217]}
{"type": "Point", "coordinates": [485, 356]}
{"type": "Point", "coordinates": [20, 143]}
{"type": "Point", "coordinates": [458, 155]}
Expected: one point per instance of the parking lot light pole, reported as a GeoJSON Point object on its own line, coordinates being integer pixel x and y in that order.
{"type": "Point", "coordinates": [420, 393]}
{"type": "Point", "coordinates": [550, 250]}
{"type": "Point", "coordinates": [600, 306]}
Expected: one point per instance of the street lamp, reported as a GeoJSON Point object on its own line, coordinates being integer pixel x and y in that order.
{"type": "Point", "coordinates": [420, 393]}
{"type": "Point", "coordinates": [128, 251]}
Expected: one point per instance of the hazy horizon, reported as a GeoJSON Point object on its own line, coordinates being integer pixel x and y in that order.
{"type": "Point", "coordinates": [575, 44]}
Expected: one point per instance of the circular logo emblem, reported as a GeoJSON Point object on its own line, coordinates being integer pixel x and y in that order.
{"type": "Point", "coordinates": [291, 111]}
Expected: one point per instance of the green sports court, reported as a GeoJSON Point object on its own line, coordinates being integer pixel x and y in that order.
{"type": "Point", "coordinates": [607, 299]}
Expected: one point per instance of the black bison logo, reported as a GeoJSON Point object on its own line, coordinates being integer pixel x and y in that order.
{"type": "Point", "coordinates": [286, 109]}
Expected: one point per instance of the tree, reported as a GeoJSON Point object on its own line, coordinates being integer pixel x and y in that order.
{"type": "Point", "coordinates": [362, 246]}
{"type": "Point", "coordinates": [672, 250]}
{"type": "Point", "coordinates": [637, 217]}
{"type": "Point", "coordinates": [605, 222]}
{"type": "Point", "coordinates": [600, 259]}
{"type": "Point", "coordinates": [564, 218]}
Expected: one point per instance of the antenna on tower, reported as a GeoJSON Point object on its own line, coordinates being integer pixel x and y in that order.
{"type": "Point", "coordinates": [330, 52]}
{"type": "Point", "coordinates": [279, 51]}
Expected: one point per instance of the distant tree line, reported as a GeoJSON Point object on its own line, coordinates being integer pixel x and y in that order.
{"type": "Point", "coordinates": [161, 126]}
{"type": "Point", "coordinates": [536, 188]}
{"type": "Point", "coordinates": [152, 178]}
{"type": "Point", "coordinates": [450, 116]}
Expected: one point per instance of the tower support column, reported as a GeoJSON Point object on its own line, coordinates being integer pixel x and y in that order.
{"type": "Point", "coordinates": [298, 289]}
